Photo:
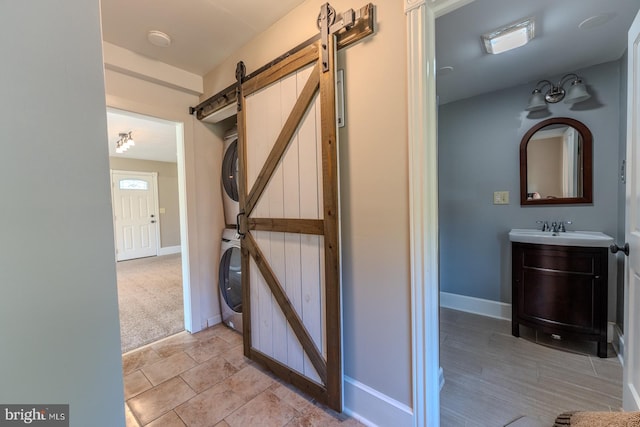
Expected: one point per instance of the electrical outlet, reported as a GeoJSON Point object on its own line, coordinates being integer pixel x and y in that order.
{"type": "Point", "coordinates": [500, 197]}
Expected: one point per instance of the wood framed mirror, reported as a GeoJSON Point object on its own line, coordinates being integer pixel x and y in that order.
{"type": "Point", "coordinates": [556, 163]}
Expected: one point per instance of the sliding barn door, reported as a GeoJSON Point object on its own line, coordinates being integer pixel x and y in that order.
{"type": "Point", "coordinates": [289, 204]}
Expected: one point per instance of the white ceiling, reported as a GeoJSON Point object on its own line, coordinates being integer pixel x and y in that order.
{"type": "Point", "coordinates": [205, 32]}
{"type": "Point", "coordinates": [559, 46]}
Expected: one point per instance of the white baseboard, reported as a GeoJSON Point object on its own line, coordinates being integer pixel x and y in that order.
{"type": "Point", "coordinates": [611, 326]}
{"type": "Point", "coordinates": [169, 250]}
{"type": "Point", "coordinates": [618, 343]}
{"type": "Point", "coordinates": [373, 408]}
{"type": "Point", "coordinates": [484, 307]}
{"type": "Point", "coordinates": [214, 320]}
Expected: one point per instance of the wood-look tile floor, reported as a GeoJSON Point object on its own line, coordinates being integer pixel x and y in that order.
{"type": "Point", "coordinates": [493, 378]}
{"type": "Point", "coordinates": [204, 380]}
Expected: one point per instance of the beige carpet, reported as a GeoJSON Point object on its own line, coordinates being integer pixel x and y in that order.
{"type": "Point", "coordinates": [150, 299]}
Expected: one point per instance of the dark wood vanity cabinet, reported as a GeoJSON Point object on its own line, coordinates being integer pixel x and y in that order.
{"type": "Point", "coordinates": [561, 290]}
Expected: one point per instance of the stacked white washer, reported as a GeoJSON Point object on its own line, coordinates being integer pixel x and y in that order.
{"type": "Point", "coordinates": [230, 275]}
{"type": "Point", "coordinates": [230, 176]}
{"type": "Point", "coordinates": [230, 280]}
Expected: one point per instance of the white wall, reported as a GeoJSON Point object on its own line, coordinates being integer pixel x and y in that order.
{"type": "Point", "coordinates": [374, 192]}
{"type": "Point", "coordinates": [59, 329]}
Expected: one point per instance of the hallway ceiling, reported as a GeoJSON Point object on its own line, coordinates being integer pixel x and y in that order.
{"type": "Point", "coordinates": [203, 32]}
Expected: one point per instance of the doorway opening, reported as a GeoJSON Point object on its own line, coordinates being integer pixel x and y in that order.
{"type": "Point", "coordinates": [147, 185]}
{"type": "Point", "coordinates": [474, 295]}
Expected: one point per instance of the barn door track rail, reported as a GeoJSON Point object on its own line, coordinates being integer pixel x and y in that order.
{"type": "Point", "coordinates": [349, 27]}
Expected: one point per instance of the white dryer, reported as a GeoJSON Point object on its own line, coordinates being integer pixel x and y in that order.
{"type": "Point", "coordinates": [230, 280]}
{"type": "Point", "coordinates": [230, 176]}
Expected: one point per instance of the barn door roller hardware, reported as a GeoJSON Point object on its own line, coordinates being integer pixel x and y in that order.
{"type": "Point", "coordinates": [348, 27]}
{"type": "Point", "coordinates": [328, 26]}
{"type": "Point", "coordinates": [241, 72]}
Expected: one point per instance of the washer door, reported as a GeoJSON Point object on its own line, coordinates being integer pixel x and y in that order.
{"type": "Point", "coordinates": [230, 171]}
{"type": "Point", "coordinates": [230, 279]}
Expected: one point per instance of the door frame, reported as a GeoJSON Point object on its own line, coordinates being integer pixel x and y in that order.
{"type": "Point", "coordinates": [630, 397]}
{"type": "Point", "coordinates": [156, 203]}
{"type": "Point", "coordinates": [191, 294]}
{"type": "Point", "coordinates": [422, 139]}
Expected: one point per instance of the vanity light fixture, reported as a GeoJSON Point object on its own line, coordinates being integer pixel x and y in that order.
{"type": "Point", "coordinates": [124, 143]}
{"type": "Point", "coordinates": [577, 92]}
{"type": "Point", "coordinates": [509, 37]}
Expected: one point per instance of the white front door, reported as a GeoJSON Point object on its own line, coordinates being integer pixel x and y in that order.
{"type": "Point", "coordinates": [135, 214]}
{"type": "Point", "coordinates": [631, 376]}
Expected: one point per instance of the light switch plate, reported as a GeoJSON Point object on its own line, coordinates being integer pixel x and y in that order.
{"type": "Point", "coordinates": [162, 210]}
{"type": "Point", "coordinates": [500, 197]}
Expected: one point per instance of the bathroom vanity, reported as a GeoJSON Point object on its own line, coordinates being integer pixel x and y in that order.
{"type": "Point", "coordinates": [559, 284]}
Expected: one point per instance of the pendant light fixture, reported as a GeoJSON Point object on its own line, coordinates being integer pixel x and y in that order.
{"type": "Point", "coordinates": [124, 143]}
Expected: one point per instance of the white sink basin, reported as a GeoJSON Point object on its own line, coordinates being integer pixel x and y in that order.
{"type": "Point", "coordinates": [567, 238]}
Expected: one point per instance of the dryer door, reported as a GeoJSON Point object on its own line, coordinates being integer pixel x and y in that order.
{"type": "Point", "coordinates": [230, 279]}
{"type": "Point", "coordinates": [230, 171]}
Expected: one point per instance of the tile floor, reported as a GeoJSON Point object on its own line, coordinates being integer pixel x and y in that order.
{"type": "Point", "coordinates": [493, 379]}
{"type": "Point", "coordinates": [204, 380]}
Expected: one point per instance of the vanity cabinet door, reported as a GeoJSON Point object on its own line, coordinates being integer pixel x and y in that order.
{"type": "Point", "coordinates": [565, 298]}
{"type": "Point", "coordinates": [561, 290]}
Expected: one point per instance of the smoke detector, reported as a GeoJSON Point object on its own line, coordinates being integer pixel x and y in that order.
{"type": "Point", "coordinates": [158, 38]}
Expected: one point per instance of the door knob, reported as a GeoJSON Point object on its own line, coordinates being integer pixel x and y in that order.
{"type": "Point", "coordinates": [615, 248]}
{"type": "Point", "coordinates": [153, 221]}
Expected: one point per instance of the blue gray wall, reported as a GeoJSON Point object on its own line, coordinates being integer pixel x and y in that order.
{"type": "Point", "coordinates": [479, 141]}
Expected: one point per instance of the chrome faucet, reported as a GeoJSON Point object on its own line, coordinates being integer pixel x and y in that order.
{"type": "Point", "coordinates": [545, 225]}
{"type": "Point", "coordinates": [555, 227]}
{"type": "Point", "coordinates": [562, 227]}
